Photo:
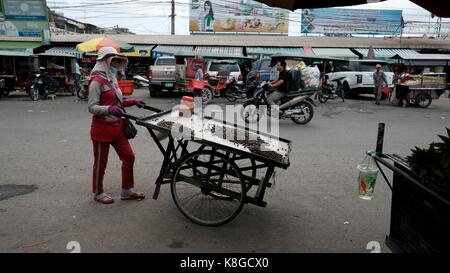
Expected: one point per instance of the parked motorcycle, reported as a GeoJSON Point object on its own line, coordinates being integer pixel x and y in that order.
{"type": "Point", "coordinates": [299, 108]}
{"type": "Point", "coordinates": [140, 82]}
{"type": "Point", "coordinates": [41, 85]}
{"type": "Point", "coordinates": [331, 92]}
{"type": "Point", "coordinates": [233, 92]}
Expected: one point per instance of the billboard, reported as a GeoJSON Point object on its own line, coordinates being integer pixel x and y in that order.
{"type": "Point", "coordinates": [236, 16]}
{"type": "Point", "coordinates": [351, 21]}
{"type": "Point", "coordinates": [23, 18]}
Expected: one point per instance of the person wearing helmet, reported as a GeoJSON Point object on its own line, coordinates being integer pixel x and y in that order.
{"type": "Point", "coordinates": [106, 103]}
{"type": "Point", "coordinates": [379, 78]}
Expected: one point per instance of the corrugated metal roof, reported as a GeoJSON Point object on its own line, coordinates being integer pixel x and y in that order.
{"type": "Point", "coordinates": [263, 41]}
{"type": "Point", "coordinates": [220, 50]}
{"type": "Point", "coordinates": [275, 50]}
{"type": "Point", "coordinates": [424, 59]}
{"type": "Point", "coordinates": [386, 52]}
{"type": "Point", "coordinates": [15, 53]}
{"type": "Point", "coordinates": [65, 50]}
{"type": "Point", "coordinates": [420, 56]}
{"type": "Point", "coordinates": [335, 52]}
{"type": "Point", "coordinates": [172, 49]}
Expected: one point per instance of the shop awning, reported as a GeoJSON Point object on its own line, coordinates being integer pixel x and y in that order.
{"type": "Point", "coordinates": [167, 50]}
{"type": "Point", "coordinates": [15, 53]}
{"type": "Point", "coordinates": [65, 50]}
{"type": "Point", "coordinates": [19, 46]}
{"type": "Point", "coordinates": [424, 59]}
{"type": "Point", "coordinates": [220, 51]}
{"type": "Point", "coordinates": [267, 51]}
{"type": "Point", "coordinates": [385, 52]}
{"type": "Point", "coordinates": [343, 53]}
{"type": "Point", "coordinates": [140, 51]}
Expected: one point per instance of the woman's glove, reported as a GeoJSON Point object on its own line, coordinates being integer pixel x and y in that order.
{"type": "Point", "coordinates": [115, 111]}
{"type": "Point", "coordinates": [139, 103]}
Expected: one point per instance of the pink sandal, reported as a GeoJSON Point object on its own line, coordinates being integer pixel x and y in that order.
{"type": "Point", "coordinates": [104, 200]}
{"type": "Point", "coordinates": [138, 196]}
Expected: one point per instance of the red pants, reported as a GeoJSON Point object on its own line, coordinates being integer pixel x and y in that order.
{"type": "Point", "coordinates": [126, 155]}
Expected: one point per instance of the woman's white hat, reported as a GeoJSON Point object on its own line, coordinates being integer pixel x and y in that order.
{"type": "Point", "coordinates": [106, 52]}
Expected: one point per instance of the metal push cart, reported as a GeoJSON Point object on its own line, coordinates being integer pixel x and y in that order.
{"type": "Point", "coordinates": [210, 183]}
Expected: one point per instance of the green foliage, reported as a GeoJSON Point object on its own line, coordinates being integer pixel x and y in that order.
{"type": "Point", "coordinates": [432, 165]}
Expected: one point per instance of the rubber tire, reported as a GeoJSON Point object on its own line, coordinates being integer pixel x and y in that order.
{"type": "Point", "coordinates": [81, 94]}
{"type": "Point", "coordinates": [4, 93]}
{"type": "Point", "coordinates": [154, 91]}
{"type": "Point", "coordinates": [34, 93]}
{"type": "Point", "coordinates": [199, 221]}
{"type": "Point", "coordinates": [322, 98]}
{"type": "Point", "coordinates": [206, 91]}
{"type": "Point", "coordinates": [423, 97]}
{"type": "Point", "coordinates": [311, 114]}
{"type": "Point", "coordinates": [347, 91]}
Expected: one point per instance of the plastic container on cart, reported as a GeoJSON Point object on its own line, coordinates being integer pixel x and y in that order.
{"type": "Point", "coordinates": [126, 86]}
{"type": "Point", "coordinates": [367, 177]}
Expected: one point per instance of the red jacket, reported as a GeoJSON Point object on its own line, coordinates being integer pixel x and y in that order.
{"type": "Point", "coordinates": [102, 129]}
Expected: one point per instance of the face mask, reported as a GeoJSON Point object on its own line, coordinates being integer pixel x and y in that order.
{"type": "Point", "coordinates": [113, 70]}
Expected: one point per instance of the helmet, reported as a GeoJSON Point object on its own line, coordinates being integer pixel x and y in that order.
{"type": "Point", "coordinates": [378, 66]}
{"type": "Point", "coordinates": [106, 52]}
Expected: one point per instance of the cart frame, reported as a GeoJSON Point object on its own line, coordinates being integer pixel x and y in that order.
{"type": "Point", "coordinates": [176, 153]}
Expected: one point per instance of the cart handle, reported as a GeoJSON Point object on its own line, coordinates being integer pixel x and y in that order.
{"type": "Point", "coordinates": [147, 107]}
{"type": "Point", "coordinates": [130, 116]}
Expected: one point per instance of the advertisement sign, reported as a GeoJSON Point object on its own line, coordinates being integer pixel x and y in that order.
{"type": "Point", "coordinates": [24, 10]}
{"type": "Point", "coordinates": [23, 18]}
{"type": "Point", "coordinates": [236, 16]}
{"type": "Point", "coordinates": [351, 21]}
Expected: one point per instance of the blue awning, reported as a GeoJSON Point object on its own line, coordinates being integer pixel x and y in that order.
{"type": "Point", "coordinates": [65, 50]}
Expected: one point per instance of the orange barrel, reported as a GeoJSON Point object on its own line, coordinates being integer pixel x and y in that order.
{"type": "Point", "coordinates": [127, 87]}
{"type": "Point", "coordinates": [186, 106]}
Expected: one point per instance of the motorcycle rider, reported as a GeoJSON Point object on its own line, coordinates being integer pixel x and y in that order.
{"type": "Point", "coordinates": [279, 88]}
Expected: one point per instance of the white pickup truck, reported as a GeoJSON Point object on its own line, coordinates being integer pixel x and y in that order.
{"type": "Point", "coordinates": [161, 76]}
{"type": "Point", "coordinates": [358, 76]}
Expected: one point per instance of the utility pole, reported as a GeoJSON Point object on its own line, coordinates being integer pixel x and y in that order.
{"type": "Point", "coordinates": [172, 16]}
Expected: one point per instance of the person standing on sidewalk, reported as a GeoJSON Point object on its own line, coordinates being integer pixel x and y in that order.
{"type": "Point", "coordinates": [379, 78]}
{"type": "Point", "coordinates": [106, 104]}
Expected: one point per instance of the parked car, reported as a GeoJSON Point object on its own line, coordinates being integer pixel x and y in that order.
{"type": "Point", "coordinates": [162, 76]}
{"type": "Point", "coordinates": [358, 76]}
{"type": "Point", "coordinates": [214, 67]}
{"type": "Point", "coordinates": [260, 70]}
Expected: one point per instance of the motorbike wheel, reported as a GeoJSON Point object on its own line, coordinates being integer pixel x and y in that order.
{"type": "Point", "coordinates": [81, 94]}
{"type": "Point", "coordinates": [322, 97]}
{"type": "Point", "coordinates": [4, 93]}
{"type": "Point", "coordinates": [34, 93]}
{"type": "Point", "coordinates": [230, 95]}
{"type": "Point", "coordinates": [308, 113]}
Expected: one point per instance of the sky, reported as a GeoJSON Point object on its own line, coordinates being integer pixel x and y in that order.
{"type": "Point", "coordinates": [152, 16]}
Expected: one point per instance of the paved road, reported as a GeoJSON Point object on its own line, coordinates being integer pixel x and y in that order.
{"type": "Point", "coordinates": [46, 156]}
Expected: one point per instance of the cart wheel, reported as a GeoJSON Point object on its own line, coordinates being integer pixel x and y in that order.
{"type": "Point", "coordinates": [423, 100]}
{"type": "Point", "coordinates": [199, 179]}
